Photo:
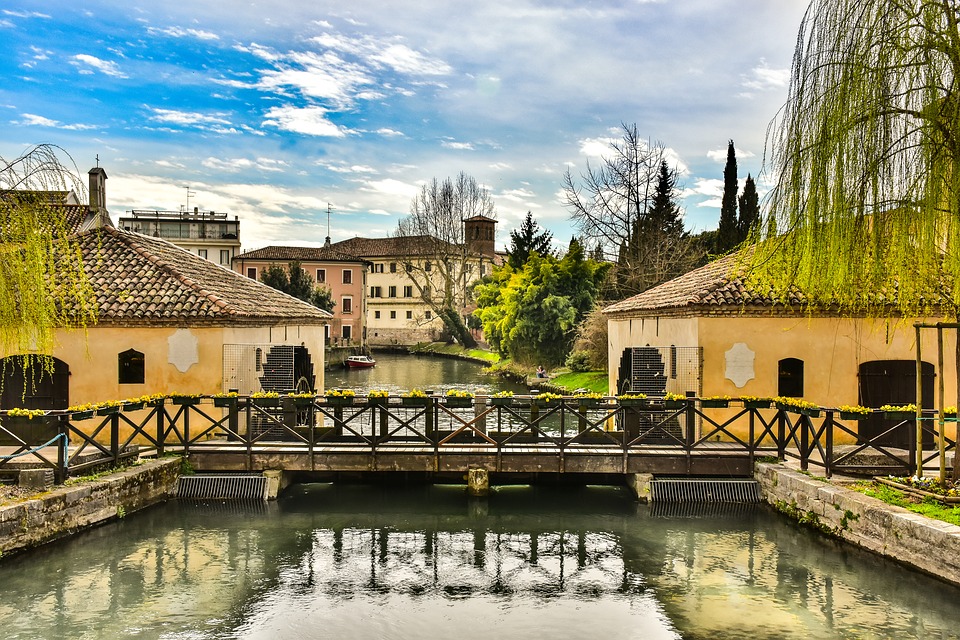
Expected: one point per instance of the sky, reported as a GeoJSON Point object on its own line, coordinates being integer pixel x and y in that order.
{"type": "Point", "coordinates": [275, 111]}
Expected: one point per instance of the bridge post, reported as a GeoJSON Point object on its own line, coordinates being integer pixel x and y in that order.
{"type": "Point", "coordinates": [478, 482]}
{"type": "Point", "coordinates": [639, 484]}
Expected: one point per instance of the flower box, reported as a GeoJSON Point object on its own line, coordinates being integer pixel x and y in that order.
{"type": "Point", "coordinates": [302, 402]}
{"type": "Point", "coordinates": [227, 402]}
{"type": "Point", "coordinates": [714, 403]}
{"type": "Point", "coordinates": [155, 403]}
{"type": "Point", "coordinates": [414, 402]}
{"type": "Point", "coordinates": [458, 403]}
{"type": "Point", "coordinates": [634, 402]}
{"type": "Point", "coordinates": [501, 402]}
{"type": "Point", "coordinates": [378, 401]}
{"type": "Point", "coordinates": [132, 406]}
{"type": "Point", "coordinates": [266, 402]}
{"type": "Point", "coordinates": [899, 415]}
{"type": "Point", "coordinates": [588, 403]}
{"type": "Point", "coordinates": [185, 401]}
{"type": "Point", "coordinates": [82, 415]}
{"type": "Point", "coordinates": [757, 404]}
{"type": "Point", "coordinates": [853, 415]}
{"type": "Point", "coordinates": [811, 413]}
{"type": "Point", "coordinates": [675, 404]}
{"type": "Point", "coordinates": [338, 401]}
{"type": "Point", "coordinates": [106, 411]}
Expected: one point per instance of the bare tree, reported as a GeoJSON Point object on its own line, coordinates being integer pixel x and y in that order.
{"type": "Point", "coordinates": [616, 207]}
{"type": "Point", "coordinates": [439, 263]}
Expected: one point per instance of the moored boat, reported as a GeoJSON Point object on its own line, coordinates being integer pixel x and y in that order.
{"type": "Point", "coordinates": [360, 362]}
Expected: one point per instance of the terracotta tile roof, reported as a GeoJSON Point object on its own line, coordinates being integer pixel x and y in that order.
{"type": "Point", "coordinates": [140, 279]}
{"type": "Point", "coordinates": [388, 247]}
{"type": "Point", "coordinates": [300, 254]}
{"type": "Point", "coordinates": [715, 287]}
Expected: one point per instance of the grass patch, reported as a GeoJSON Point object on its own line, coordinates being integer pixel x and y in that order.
{"type": "Point", "coordinates": [489, 357]}
{"type": "Point", "coordinates": [927, 507]}
{"type": "Point", "coordinates": [595, 381]}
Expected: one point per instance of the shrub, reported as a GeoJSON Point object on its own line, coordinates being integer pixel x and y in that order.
{"type": "Point", "coordinates": [578, 361]}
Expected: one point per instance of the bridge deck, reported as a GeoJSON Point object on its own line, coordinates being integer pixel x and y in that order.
{"type": "Point", "coordinates": [718, 459]}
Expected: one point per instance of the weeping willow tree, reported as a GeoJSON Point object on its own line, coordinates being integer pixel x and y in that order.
{"type": "Point", "coordinates": [42, 282]}
{"type": "Point", "coordinates": [865, 215]}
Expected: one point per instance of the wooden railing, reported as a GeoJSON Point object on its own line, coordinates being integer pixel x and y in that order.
{"type": "Point", "coordinates": [110, 434]}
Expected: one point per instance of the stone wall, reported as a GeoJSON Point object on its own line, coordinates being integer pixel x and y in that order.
{"type": "Point", "coordinates": [931, 546]}
{"type": "Point", "coordinates": [68, 509]}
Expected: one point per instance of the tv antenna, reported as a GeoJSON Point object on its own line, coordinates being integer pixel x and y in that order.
{"type": "Point", "coordinates": [189, 193]}
{"type": "Point", "coordinates": [329, 209]}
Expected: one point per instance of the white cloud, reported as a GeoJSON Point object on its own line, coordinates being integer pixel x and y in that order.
{"type": "Point", "coordinates": [356, 168]}
{"type": "Point", "coordinates": [710, 187]}
{"type": "Point", "coordinates": [763, 78]}
{"type": "Point", "coordinates": [389, 133]}
{"type": "Point", "coordinates": [180, 32]}
{"type": "Point", "coordinates": [386, 52]}
{"type": "Point", "coordinates": [234, 165]}
{"type": "Point", "coordinates": [25, 14]}
{"type": "Point", "coordinates": [392, 187]}
{"type": "Point", "coordinates": [84, 62]}
{"type": "Point", "coordinates": [310, 121]}
{"type": "Point", "coordinates": [720, 155]}
{"type": "Point", "coordinates": [459, 146]}
{"type": "Point", "coordinates": [33, 120]}
{"type": "Point", "coordinates": [323, 76]}
{"type": "Point", "coordinates": [188, 118]}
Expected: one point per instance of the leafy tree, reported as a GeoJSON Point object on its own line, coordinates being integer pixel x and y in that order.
{"type": "Point", "coordinates": [294, 280]}
{"type": "Point", "coordinates": [531, 314]}
{"type": "Point", "coordinates": [323, 298]}
{"type": "Point", "coordinates": [439, 265]}
{"type": "Point", "coordinates": [749, 219]}
{"type": "Point", "coordinates": [728, 236]}
{"type": "Point", "coordinates": [526, 239]}
{"type": "Point", "coordinates": [43, 285]}
{"type": "Point", "coordinates": [868, 161]}
{"type": "Point", "coordinates": [612, 205]}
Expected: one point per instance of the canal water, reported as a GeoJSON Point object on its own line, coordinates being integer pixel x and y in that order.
{"type": "Point", "coordinates": [421, 562]}
{"type": "Point", "coordinates": [424, 562]}
{"type": "Point", "coordinates": [398, 373]}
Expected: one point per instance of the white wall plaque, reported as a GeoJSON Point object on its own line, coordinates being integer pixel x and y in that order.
{"type": "Point", "coordinates": [182, 350]}
{"type": "Point", "coordinates": [739, 361]}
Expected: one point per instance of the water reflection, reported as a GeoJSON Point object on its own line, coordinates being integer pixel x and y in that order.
{"type": "Point", "coordinates": [427, 562]}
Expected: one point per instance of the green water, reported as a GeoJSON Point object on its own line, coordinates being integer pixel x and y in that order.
{"type": "Point", "coordinates": [344, 561]}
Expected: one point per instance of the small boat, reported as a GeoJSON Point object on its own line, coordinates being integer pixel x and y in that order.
{"type": "Point", "coordinates": [360, 362]}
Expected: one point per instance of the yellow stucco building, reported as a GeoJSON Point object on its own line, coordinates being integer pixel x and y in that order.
{"type": "Point", "coordinates": [705, 333]}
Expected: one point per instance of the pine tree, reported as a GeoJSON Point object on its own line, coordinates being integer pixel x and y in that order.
{"type": "Point", "coordinates": [664, 215]}
{"type": "Point", "coordinates": [727, 231]}
{"type": "Point", "coordinates": [749, 210]}
{"type": "Point", "coordinates": [527, 239]}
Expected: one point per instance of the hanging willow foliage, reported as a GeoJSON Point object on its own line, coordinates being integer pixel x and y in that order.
{"type": "Point", "coordinates": [42, 282]}
{"type": "Point", "coordinates": [865, 215]}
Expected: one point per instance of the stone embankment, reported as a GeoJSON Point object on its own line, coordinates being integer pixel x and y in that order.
{"type": "Point", "coordinates": [932, 546]}
{"type": "Point", "coordinates": [67, 510]}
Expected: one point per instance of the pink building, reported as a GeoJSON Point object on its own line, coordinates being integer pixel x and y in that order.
{"type": "Point", "coordinates": [344, 275]}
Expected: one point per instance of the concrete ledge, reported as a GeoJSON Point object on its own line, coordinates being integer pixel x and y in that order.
{"type": "Point", "coordinates": [932, 546]}
{"type": "Point", "coordinates": [69, 509]}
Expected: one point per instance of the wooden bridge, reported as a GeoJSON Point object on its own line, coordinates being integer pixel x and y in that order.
{"type": "Point", "coordinates": [444, 435]}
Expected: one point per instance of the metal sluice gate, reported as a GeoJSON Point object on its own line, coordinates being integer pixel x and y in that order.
{"type": "Point", "coordinates": [705, 490]}
{"type": "Point", "coordinates": [222, 487]}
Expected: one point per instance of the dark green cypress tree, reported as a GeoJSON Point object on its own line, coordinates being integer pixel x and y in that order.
{"type": "Point", "coordinates": [749, 210]}
{"type": "Point", "coordinates": [526, 239]}
{"type": "Point", "coordinates": [728, 236]}
{"type": "Point", "coordinates": [664, 216]}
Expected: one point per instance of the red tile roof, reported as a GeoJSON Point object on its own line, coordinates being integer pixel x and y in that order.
{"type": "Point", "coordinates": [300, 254]}
{"type": "Point", "coordinates": [391, 247]}
{"type": "Point", "coordinates": [715, 287]}
{"type": "Point", "coordinates": [139, 279]}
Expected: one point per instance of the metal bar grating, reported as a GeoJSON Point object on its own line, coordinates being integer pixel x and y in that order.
{"type": "Point", "coordinates": [705, 490]}
{"type": "Point", "coordinates": [222, 487]}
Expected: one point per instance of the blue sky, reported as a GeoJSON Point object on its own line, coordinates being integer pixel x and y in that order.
{"type": "Point", "coordinates": [272, 110]}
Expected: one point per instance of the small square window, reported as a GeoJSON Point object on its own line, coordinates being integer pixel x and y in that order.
{"type": "Point", "coordinates": [409, 315]}
{"type": "Point", "coordinates": [393, 315]}
{"type": "Point", "coordinates": [321, 275]}
{"type": "Point", "coordinates": [376, 315]}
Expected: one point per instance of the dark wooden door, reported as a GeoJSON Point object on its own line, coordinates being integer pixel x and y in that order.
{"type": "Point", "coordinates": [894, 382]}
